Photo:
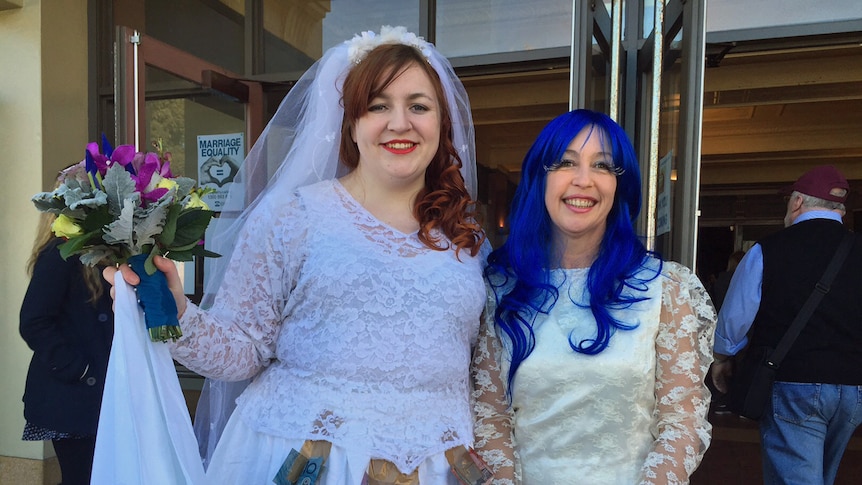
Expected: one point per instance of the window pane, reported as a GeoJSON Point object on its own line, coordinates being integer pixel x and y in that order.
{"type": "Point", "coordinates": [475, 27]}
{"type": "Point", "coordinates": [349, 17]}
{"type": "Point", "coordinates": [210, 30]}
{"type": "Point", "coordinates": [177, 111]}
{"type": "Point", "coordinates": [297, 32]}
{"type": "Point", "coordinates": [736, 15]}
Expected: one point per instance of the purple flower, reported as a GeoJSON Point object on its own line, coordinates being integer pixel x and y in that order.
{"type": "Point", "coordinates": [150, 172]}
{"type": "Point", "coordinates": [123, 154]}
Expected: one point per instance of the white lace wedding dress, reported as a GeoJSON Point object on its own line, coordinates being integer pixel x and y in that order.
{"type": "Point", "coordinates": [636, 413]}
{"type": "Point", "coordinates": [357, 334]}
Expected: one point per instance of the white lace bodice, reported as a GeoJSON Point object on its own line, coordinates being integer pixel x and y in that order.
{"type": "Point", "coordinates": [634, 413]}
{"type": "Point", "coordinates": [361, 335]}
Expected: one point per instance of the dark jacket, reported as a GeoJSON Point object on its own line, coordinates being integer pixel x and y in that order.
{"type": "Point", "coordinates": [66, 333]}
{"type": "Point", "coordinates": [829, 349]}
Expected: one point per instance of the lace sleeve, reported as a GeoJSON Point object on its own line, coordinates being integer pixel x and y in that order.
{"type": "Point", "coordinates": [683, 353]}
{"type": "Point", "coordinates": [493, 427]}
{"type": "Point", "coordinates": [236, 338]}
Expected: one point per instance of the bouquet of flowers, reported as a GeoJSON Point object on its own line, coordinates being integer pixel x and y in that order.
{"type": "Point", "coordinates": [123, 206]}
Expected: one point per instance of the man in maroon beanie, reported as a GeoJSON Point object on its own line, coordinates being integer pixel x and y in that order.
{"type": "Point", "coordinates": [816, 401]}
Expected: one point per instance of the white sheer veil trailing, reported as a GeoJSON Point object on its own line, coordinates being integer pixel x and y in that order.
{"type": "Point", "coordinates": [299, 147]}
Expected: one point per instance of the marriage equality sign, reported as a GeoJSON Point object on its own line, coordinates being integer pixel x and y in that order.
{"type": "Point", "coordinates": [219, 161]}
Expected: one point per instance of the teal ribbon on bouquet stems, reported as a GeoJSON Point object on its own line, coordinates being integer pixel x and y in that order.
{"type": "Point", "coordinates": [157, 302]}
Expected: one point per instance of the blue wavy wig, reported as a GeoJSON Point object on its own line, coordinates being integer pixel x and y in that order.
{"type": "Point", "coordinates": [519, 271]}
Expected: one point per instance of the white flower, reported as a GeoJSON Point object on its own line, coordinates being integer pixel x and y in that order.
{"type": "Point", "coordinates": [362, 44]}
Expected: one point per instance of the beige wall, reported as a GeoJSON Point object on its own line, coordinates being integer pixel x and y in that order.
{"type": "Point", "coordinates": [43, 126]}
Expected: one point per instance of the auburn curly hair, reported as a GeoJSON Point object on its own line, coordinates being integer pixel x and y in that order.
{"type": "Point", "coordinates": [444, 202]}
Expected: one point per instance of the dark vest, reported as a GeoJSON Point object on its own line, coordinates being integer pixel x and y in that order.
{"type": "Point", "coordinates": [829, 349]}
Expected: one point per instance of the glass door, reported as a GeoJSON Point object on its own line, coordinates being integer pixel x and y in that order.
{"type": "Point", "coordinates": [642, 63]}
{"type": "Point", "coordinates": [595, 58]}
{"type": "Point", "coordinates": [205, 116]}
{"type": "Point", "coordinates": [674, 81]}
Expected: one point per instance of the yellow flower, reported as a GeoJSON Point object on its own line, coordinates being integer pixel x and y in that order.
{"type": "Point", "coordinates": [165, 183]}
{"type": "Point", "coordinates": [65, 227]}
{"type": "Point", "coordinates": [195, 202]}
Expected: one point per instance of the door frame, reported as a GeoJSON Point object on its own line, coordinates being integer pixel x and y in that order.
{"type": "Point", "coordinates": [634, 99]}
{"type": "Point", "coordinates": [136, 51]}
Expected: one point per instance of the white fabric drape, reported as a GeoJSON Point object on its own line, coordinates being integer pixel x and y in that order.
{"type": "Point", "coordinates": [145, 433]}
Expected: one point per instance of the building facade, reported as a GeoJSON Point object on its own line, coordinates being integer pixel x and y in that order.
{"type": "Point", "coordinates": [779, 90]}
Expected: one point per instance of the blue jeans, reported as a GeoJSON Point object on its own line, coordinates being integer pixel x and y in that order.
{"type": "Point", "coordinates": [805, 430]}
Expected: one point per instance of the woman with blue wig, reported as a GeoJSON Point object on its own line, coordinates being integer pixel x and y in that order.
{"type": "Point", "coordinates": [593, 350]}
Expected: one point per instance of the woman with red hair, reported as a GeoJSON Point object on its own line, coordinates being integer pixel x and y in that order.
{"type": "Point", "coordinates": [353, 290]}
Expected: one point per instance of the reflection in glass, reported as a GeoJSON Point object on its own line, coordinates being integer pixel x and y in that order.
{"type": "Point", "coordinates": [347, 18]}
{"type": "Point", "coordinates": [177, 111]}
{"type": "Point", "coordinates": [649, 17]}
{"type": "Point", "coordinates": [298, 32]}
{"type": "Point", "coordinates": [598, 96]}
{"type": "Point", "coordinates": [210, 30]}
{"type": "Point", "coordinates": [475, 27]}
{"type": "Point", "coordinates": [669, 128]}
{"type": "Point", "coordinates": [763, 15]}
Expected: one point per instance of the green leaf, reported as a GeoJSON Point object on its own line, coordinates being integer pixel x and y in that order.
{"type": "Point", "coordinates": [191, 226]}
{"type": "Point", "coordinates": [170, 228]}
{"type": "Point", "coordinates": [96, 219]}
{"type": "Point", "coordinates": [84, 200]}
{"type": "Point", "coordinates": [200, 251]}
{"type": "Point", "coordinates": [119, 187]}
{"type": "Point", "coordinates": [47, 202]}
{"type": "Point", "coordinates": [76, 244]}
{"type": "Point", "coordinates": [121, 230]}
{"type": "Point", "coordinates": [184, 186]}
{"type": "Point", "coordinates": [147, 229]}
{"type": "Point", "coordinates": [181, 255]}
{"type": "Point", "coordinates": [97, 255]}
{"type": "Point", "coordinates": [185, 247]}
{"type": "Point", "coordinates": [190, 254]}
{"type": "Point", "coordinates": [210, 254]}
{"type": "Point", "coordinates": [149, 266]}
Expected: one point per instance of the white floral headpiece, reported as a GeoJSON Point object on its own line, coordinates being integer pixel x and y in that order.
{"type": "Point", "coordinates": [363, 43]}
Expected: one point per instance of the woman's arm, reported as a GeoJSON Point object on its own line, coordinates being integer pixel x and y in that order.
{"type": "Point", "coordinates": [683, 356]}
{"type": "Point", "coordinates": [236, 338]}
{"type": "Point", "coordinates": [493, 427]}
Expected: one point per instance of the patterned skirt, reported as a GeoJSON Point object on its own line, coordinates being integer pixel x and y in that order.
{"type": "Point", "coordinates": [33, 432]}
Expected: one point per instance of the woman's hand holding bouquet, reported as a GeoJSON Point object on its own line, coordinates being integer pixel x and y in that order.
{"type": "Point", "coordinates": [122, 206]}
